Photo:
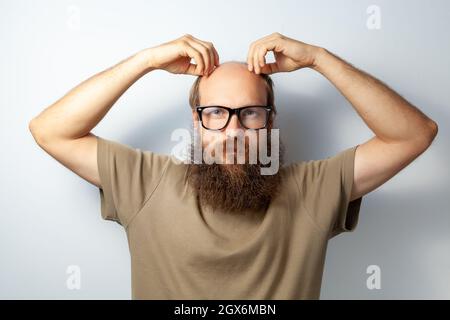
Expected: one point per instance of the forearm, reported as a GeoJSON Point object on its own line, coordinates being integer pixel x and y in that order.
{"type": "Point", "coordinates": [386, 113]}
{"type": "Point", "coordinates": [82, 108]}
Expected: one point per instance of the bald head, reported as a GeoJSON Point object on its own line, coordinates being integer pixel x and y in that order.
{"type": "Point", "coordinates": [232, 85]}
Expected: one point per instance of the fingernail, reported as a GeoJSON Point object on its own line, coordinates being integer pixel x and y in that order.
{"type": "Point", "coordinates": [249, 67]}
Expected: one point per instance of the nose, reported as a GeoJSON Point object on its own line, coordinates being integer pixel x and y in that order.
{"type": "Point", "coordinates": [234, 123]}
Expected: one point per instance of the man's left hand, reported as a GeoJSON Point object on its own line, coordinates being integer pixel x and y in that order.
{"type": "Point", "coordinates": [289, 54]}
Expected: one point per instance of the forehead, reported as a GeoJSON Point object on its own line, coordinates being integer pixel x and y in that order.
{"type": "Point", "coordinates": [232, 85]}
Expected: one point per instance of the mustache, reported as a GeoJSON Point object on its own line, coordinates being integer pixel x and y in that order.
{"type": "Point", "coordinates": [262, 148]}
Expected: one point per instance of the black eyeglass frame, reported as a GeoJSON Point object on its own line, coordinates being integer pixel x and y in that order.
{"type": "Point", "coordinates": [237, 112]}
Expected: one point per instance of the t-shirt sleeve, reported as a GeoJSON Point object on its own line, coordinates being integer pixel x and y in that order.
{"type": "Point", "coordinates": [325, 186]}
{"type": "Point", "coordinates": [128, 178]}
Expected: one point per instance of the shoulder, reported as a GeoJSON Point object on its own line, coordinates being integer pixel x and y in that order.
{"type": "Point", "coordinates": [307, 172]}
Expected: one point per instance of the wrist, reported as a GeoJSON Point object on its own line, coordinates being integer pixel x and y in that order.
{"type": "Point", "coordinates": [319, 57]}
{"type": "Point", "coordinates": [145, 58]}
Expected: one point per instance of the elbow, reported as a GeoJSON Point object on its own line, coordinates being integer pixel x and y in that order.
{"type": "Point", "coordinates": [36, 131]}
{"type": "Point", "coordinates": [429, 134]}
{"type": "Point", "coordinates": [32, 127]}
{"type": "Point", "coordinates": [433, 130]}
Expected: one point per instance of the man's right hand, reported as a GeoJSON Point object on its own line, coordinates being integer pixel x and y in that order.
{"type": "Point", "coordinates": [175, 56]}
{"type": "Point", "coordinates": [63, 129]}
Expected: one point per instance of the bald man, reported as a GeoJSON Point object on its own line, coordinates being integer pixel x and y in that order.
{"type": "Point", "coordinates": [220, 230]}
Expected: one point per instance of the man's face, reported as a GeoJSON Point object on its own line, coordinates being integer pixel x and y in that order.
{"type": "Point", "coordinates": [232, 188]}
{"type": "Point", "coordinates": [230, 85]}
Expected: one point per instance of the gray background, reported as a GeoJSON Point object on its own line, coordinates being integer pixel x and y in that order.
{"type": "Point", "coordinates": [50, 218]}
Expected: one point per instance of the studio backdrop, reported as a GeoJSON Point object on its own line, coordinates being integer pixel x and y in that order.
{"type": "Point", "coordinates": [51, 227]}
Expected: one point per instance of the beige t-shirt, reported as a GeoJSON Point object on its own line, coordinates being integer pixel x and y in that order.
{"type": "Point", "coordinates": [181, 251]}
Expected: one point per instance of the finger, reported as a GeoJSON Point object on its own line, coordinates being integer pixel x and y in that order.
{"type": "Point", "coordinates": [268, 45]}
{"type": "Point", "coordinates": [261, 54]}
{"type": "Point", "coordinates": [198, 68]}
{"type": "Point", "coordinates": [252, 48]}
{"type": "Point", "coordinates": [250, 57]}
{"type": "Point", "coordinates": [209, 61]}
{"type": "Point", "coordinates": [255, 61]}
{"type": "Point", "coordinates": [216, 57]}
{"type": "Point", "coordinates": [204, 52]}
{"type": "Point", "coordinates": [263, 48]}
{"type": "Point", "coordinates": [270, 68]}
{"type": "Point", "coordinates": [211, 57]}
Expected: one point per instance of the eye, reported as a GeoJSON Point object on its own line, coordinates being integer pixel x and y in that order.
{"type": "Point", "coordinates": [214, 111]}
{"type": "Point", "coordinates": [249, 112]}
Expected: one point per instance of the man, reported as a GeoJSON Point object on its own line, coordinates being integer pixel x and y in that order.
{"type": "Point", "coordinates": [223, 231]}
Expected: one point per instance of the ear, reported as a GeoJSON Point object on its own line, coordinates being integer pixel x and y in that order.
{"type": "Point", "coordinates": [194, 115]}
{"type": "Point", "coordinates": [272, 120]}
{"type": "Point", "coordinates": [195, 120]}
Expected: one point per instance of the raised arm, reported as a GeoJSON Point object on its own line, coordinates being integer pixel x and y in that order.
{"type": "Point", "coordinates": [63, 129]}
{"type": "Point", "coordinates": [402, 132]}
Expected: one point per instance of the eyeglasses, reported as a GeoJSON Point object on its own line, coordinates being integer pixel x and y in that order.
{"type": "Point", "coordinates": [218, 117]}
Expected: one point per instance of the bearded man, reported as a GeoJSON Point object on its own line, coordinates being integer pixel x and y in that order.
{"type": "Point", "coordinates": [223, 229]}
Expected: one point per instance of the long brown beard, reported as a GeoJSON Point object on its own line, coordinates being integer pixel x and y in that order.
{"type": "Point", "coordinates": [235, 188]}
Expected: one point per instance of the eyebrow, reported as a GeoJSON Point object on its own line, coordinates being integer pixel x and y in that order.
{"type": "Point", "coordinates": [238, 106]}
